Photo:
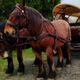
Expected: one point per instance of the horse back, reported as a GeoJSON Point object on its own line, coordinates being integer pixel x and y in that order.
{"type": "Point", "coordinates": [62, 29]}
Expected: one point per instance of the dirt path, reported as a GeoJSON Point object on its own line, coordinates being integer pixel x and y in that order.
{"type": "Point", "coordinates": [70, 73]}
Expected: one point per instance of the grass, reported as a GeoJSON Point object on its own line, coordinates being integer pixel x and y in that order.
{"type": "Point", "coordinates": [28, 58]}
{"type": "Point", "coordinates": [27, 53]}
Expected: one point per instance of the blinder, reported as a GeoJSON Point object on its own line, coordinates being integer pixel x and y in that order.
{"type": "Point", "coordinates": [20, 14]}
{"type": "Point", "coordinates": [15, 26]}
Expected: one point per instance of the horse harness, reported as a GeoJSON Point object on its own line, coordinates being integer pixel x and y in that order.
{"type": "Point", "coordinates": [3, 41]}
{"type": "Point", "coordinates": [41, 36]}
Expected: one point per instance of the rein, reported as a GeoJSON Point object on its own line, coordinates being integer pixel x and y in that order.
{"type": "Point", "coordinates": [9, 22]}
{"type": "Point", "coordinates": [12, 24]}
{"type": "Point", "coordinates": [41, 36]}
{"type": "Point", "coordinates": [2, 40]}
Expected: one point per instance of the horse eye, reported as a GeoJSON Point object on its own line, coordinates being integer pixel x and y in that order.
{"type": "Point", "coordinates": [19, 15]}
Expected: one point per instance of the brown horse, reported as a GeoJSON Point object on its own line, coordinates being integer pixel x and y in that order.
{"type": "Point", "coordinates": [43, 35]}
{"type": "Point", "coordinates": [7, 46]}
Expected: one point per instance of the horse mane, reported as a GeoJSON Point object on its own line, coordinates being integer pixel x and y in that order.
{"type": "Point", "coordinates": [34, 17]}
{"type": "Point", "coordinates": [33, 10]}
{"type": "Point", "coordinates": [36, 12]}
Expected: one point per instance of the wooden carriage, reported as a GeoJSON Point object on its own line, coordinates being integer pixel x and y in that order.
{"type": "Point", "coordinates": [71, 14]}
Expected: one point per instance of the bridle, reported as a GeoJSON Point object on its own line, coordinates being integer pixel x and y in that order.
{"type": "Point", "coordinates": [15, 26]}
{"type": "Point", "coordinates": [4, 42]}
{"type": "Point", "coordinates": [21, 13]}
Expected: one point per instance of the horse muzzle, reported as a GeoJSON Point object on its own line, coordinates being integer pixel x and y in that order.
{"type": "Point", "coordinates": [4, 54]}
{"type": "Point", "coordinates": [10, 30]}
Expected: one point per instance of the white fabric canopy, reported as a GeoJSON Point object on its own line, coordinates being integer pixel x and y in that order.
{"type": "Point", "coordinates": [73, 2]}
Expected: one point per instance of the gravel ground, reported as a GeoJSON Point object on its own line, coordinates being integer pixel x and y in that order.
{"type": "Point", "coordinates": [67, 73]}
{"type": "Point", "coordinates": [72, 72]}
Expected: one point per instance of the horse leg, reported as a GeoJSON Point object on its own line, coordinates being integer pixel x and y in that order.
{"type": "Point", "coordinates": [41, 68]}
{"type": "Point", "coordinates": [60, 58]}
{"type": "Point", "coordinates": [10, 67]}
{"type": "Point", "coordinates": [36, 61]}
{"type": "Point", "coordinates": [20, 60]}
{"type": "Point", "coordinates": [68, 54]}
{"type": "Point", "coordinates": [52, 72]}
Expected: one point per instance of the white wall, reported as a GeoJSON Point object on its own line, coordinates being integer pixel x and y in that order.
{"type": "Point", "coordinates": [73, 2]}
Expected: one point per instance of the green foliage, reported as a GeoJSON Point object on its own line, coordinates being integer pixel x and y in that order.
{"type": "Point", "coordinates": [43, 6]}
{"type": "Point", "coordinates": [5, 7]}
{"type": "Point", "coordinates": [56, 2]}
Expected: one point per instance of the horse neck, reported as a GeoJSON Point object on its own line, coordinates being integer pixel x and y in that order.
{"type": "Point", "coordinates": [35, 27]}
{"type": "Point", "coordinates": [35, 21]}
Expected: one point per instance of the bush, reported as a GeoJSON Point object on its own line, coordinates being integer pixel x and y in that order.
{"type": "Point", "coordinates": [43, 6]}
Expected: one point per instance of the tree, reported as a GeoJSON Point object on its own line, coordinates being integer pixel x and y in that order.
{"type": "Point", "coordinates": [5, 7]}
{"type": "Point", "coordinates": [43, 6]}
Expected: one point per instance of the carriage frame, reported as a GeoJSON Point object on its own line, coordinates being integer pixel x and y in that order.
{"type": "Point", "coordinates": [66, 12]}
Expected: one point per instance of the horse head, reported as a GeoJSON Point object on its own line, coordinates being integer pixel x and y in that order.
{"type": "Point", "coordinates": [17, 20]}
{"type": "Point", "coordinates": [3, 42]}
{"type": "Point", "coordinates": [24, 16]}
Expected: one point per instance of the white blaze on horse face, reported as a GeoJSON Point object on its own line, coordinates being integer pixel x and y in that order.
{"type": "Point", "coordinates": [5, 54]}
{"type": "Point", "coordinates": [9, 29]}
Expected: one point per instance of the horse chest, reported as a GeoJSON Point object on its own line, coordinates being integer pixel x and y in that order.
{"type": "Point", "coordinates": [42, 44]}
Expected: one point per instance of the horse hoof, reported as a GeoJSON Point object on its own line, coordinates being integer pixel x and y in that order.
{"type": "Point", "coordinates": [68, 65]}
{"type": "Point", "coordinates": [9, 72]}
{"type": "Point", "coordinates": [52, 75]}
{"type": "Point", "coordinates": [59, 68]}
{"type": "Point", "coordinates": [42, 75]}
{"type": "Point", "coordinates": [19, 73]}
{"type": "Point", "coordinates": [40, 78]}
{"type": "Point", "coordinates": [50, 79]}
{"type": "Point", "coordinates": [21, 70]}
{"type": "Point", "coordinates": [33, 65]}
{"type": "Point", "coordinates": [59, 79]}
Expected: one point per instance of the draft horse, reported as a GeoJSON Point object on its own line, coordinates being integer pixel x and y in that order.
{"type": "Point", "coordinates": [7, 46]}
{"type": "Point", "coordinates": [44, 35]}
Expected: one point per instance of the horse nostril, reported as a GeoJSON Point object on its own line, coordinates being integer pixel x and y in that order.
{"type": "Point", "coordinates": [7, 33]}
{"type": "Point", "coordinates": [10, 32]}
{"type": "Point", "coordinates": [13, 32]}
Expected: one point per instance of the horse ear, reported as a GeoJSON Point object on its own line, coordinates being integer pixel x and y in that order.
{"type": "Point", "coordinates": [23, 3]}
